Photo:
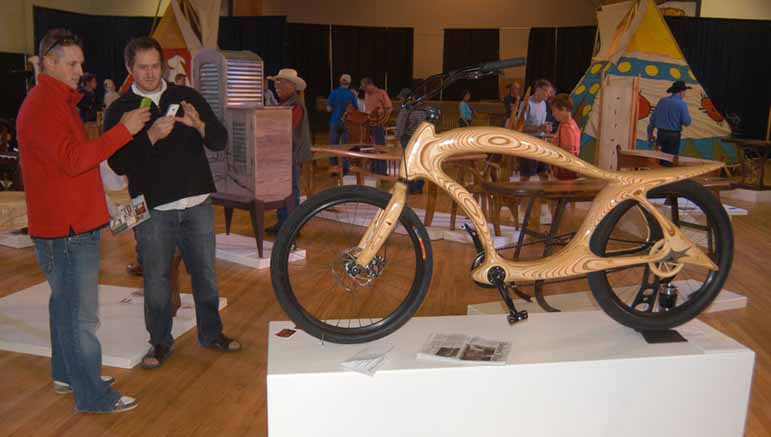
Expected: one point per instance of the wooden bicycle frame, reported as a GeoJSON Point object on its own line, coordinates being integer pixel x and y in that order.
{"type": "Point", "coordinates": [427, 151]}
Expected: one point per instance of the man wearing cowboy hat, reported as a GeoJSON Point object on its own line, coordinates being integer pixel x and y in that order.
{"type": "Point", "coordinates": [288, 83]}
{"type": "Point", "coordinates": [669, 117]}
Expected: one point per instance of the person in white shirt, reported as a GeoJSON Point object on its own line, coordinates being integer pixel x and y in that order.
{"type": "Point", "coordinates": [166, 163]}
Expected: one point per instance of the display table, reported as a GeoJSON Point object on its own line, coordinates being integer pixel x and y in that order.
{"type": "Point", "coordinates": [569, 374]}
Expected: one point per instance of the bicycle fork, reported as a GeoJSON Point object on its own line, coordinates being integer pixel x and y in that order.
{"type": "Point", "coordinates": [382, 225]}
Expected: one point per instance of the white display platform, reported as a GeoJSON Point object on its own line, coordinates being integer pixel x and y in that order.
{"type": "Point", "coordinates": [569, 374]}
{"type": "Point", "coordinates": [746, 195]}
{"type": "Point", "coordinates": [242, 250]}
{"type": "Point", "coordinates": [16, 240]}
{"type": "Point", "coordinates": [24, 323]}
{"type": "Point", "coordinates": [584, 301]}
{"type": "Point", "coordinates": [439, 229]}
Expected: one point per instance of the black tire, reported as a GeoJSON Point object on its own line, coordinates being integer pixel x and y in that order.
{"type": "Point", "coordinates": [328, 241]}
{"type": "Point", "coordinates": [719, 240]}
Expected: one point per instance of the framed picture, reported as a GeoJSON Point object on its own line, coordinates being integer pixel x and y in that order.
{"type": "Point", "coordinates": [680, 8]}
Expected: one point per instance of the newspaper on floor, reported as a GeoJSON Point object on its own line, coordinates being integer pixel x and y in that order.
{"type": "Point", "coordinates": [460, 348]}
{"type": "Point", "coordinates": [129, 215]}
{"type": "Point", "coordinates": [368, 360]}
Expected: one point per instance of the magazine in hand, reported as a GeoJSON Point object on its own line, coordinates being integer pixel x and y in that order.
{"type": "Point", "coordinates": [460, 348]}
{"type": "Point", "coordinates": [130, 215]}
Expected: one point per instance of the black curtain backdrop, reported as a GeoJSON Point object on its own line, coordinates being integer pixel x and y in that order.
{"type": "Point", "coordinates": [731, 60]}
{"type": "Point", "coordinates": [729, 57]}
{"type": "Point", "coordinates": [560, 55]}
{"type": "Point", "coordinates": [383, 54]}
{"type": "Point", "coordinates": [13, 86]}
{"type": "Point", "coordinates": [463, 47]}
{"type": "Point", "coordinates": [266, 36]}
{"type": "Point", "coordinates": [359, 51]}
{"type": "Point", "coordinates": [308, 53]}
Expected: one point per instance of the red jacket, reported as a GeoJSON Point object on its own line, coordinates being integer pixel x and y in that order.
{"type": "Point", "coordinates": [60, 165]}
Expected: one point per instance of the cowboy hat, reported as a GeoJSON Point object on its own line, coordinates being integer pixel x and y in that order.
{"type": "Point", "coordinates": [677, 87]}
{"type": "Point", "coordinates": [290, 75]}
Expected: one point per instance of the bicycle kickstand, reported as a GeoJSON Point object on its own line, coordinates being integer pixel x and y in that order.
{"type": "Point", "coordinates": [497, 276]}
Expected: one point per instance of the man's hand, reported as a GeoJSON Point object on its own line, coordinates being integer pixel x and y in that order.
{"type": "Point", "coordinates": [160, 129]}
{"type": "Point", "coordinates": [192, 119]}
{"type": "Point", "coordinates": [135, 120]}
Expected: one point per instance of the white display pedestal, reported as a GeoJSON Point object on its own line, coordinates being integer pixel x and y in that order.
{"type": "Point", "coordinates": [568, 374]}
{"type": "Point", "coordinates": [243, 250]}
{"type": "Point", "coordinates": [584, 301]}
{"type": "Point", "coordinates": [755, 196]}
{"type": "Point", "coordinates": [24, 323]}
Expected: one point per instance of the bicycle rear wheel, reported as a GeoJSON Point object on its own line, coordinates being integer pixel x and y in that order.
{"type": "Point", "coordinates": [665, 294]}
{"type": "Point", "coordinates": [319, 292]}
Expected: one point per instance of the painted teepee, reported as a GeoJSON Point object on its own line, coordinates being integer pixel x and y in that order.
{"type": "Point", "coordinates": [186, 27]}
{"type": "Point", "coordinates": [634, 40]}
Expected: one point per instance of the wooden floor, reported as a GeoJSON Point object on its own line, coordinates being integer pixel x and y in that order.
{"type": "Point", "coordinates": [201, 392]}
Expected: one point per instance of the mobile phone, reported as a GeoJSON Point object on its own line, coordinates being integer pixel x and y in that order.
{"type": "Point", "coordinates": [172, 111]}
{"type": "Point", "coordinates": [145, 103]}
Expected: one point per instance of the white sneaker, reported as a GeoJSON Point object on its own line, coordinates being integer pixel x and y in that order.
{"type": "Point", "coordinates": [62, 388]}
{"type": "Point", "coordinates": [125, 403]}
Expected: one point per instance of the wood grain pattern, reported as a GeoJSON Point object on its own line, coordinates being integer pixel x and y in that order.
{"type": "Point", "coordinates": [200, 392]}
{"type": "Point", "coordinates": [427, 151]}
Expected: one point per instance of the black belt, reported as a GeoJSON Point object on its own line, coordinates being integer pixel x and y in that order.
{"type": "Point", "coordinates": [669, 131]}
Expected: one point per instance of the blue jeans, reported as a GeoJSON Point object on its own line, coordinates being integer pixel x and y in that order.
{"type": "Point", "coordinates": [379, 166]}
{"type": "Point", "coordinates": [71, 266]}
{"type": "Point", "coordinates": [335, 138]}
{"type": "Point", "coordinates": [282, 213]}
{"type": "Point", "coordinates": [192, 230]}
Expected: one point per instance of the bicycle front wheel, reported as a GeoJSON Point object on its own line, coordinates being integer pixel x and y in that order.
{"type": "Point", "coordinates": [320, 292]}
{"type": "Point", "coordinates": [665, 294]}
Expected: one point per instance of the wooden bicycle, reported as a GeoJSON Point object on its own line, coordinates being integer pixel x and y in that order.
{"type": "Point", "coordinates": [368, 259]}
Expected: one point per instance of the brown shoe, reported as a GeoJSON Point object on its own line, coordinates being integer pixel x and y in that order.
{"type": "Point", "coordinates": [135, 269]}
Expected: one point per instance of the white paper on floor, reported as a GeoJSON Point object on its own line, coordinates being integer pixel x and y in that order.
{"type": "Point", "coordinates": [583, 301]}
{"type": "Point", "coordinates": [362, 215]}
{"type": "Point", "coordinates": [24, 325]}
{"type": "Point", "coordinates": [242, 250]}
{"type": "Point", "coordinates": [16, 240]}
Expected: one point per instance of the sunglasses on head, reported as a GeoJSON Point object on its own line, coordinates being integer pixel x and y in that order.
{"type": "Point", "coordinates": [63, 41]}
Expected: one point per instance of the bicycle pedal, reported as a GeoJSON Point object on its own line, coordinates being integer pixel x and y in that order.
{"type": "Point", "coordinates": [515, 317]}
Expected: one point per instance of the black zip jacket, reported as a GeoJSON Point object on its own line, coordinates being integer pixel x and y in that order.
{"type": "Point", "coordinates": [176, 166]}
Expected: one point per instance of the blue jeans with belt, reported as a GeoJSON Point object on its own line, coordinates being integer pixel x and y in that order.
{"type": "Point", "coordinates": [337, 136]}
{"type": "Point", "coordinates": [192, 230]}
{"type": "Point", "coordinates": [669, 142]}
{"type": "Point", "coordinates": [71, 266]}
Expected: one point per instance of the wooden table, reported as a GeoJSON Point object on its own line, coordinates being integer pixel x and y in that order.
{"type": "Point", "coordinates": [761, 150]}
{"type": "Point", "coordinates": [652, 159]}
{"type": "Point", "coordinates": [361, 154]}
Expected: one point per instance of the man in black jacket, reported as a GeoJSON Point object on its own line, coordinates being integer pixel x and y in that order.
{"type": "Point", "coordinates": [166, 163]}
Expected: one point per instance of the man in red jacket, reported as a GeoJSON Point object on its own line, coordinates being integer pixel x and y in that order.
{"type": "Point", "coordinates": [66, 209]}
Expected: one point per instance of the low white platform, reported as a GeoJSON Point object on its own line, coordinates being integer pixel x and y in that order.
{"type": "Point", "coordinates": [24, 323]}
{"type": "Point", "coordinates": [439, 229]}
{"type": "Point", "coordinates": [569, 374]}
{"type": "Point", "coordinates": [584, 301]}
{"type": "Point", "coordinates": [242, 250]}
{"type": "Point", "coordinates": [746, 195]}
{"type": "Point", "coordinates": [16, 240]}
